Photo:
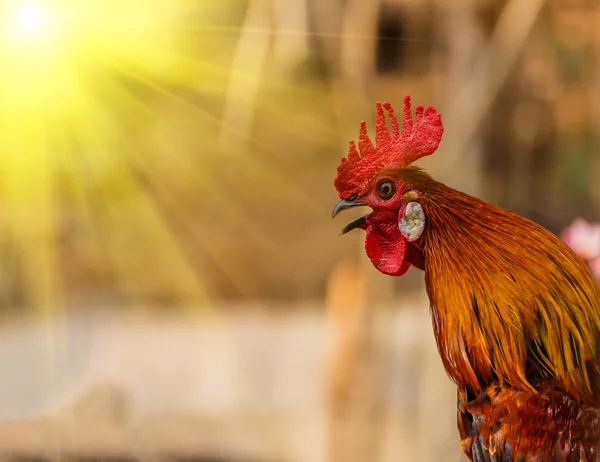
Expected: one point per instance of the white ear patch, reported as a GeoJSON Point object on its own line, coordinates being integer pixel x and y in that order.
{"type": "Point", "coordinates": [412, 223]}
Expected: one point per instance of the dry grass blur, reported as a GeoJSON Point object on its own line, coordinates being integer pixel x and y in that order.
{"type": "Point", "coordinates": [172, 285]}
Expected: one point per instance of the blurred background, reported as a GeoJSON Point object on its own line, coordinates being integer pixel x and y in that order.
{"type": "Point", "coordinates": [172, 286]}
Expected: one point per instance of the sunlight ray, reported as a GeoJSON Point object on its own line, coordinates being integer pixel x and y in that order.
{"type": "Point", "coordinates": [140, 229]}
{"type": "Point", "coordinates": [173, 214]}
{"type": "Point", "coordinates": [244, 159]}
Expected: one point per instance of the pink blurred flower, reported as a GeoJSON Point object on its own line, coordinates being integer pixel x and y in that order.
{"type": "Point", "coordinates": [584, 238]}
{"type": "Point", "coordinates": [595, 267]}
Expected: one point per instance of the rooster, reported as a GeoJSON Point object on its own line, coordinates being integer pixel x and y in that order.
{"type": "Point", "coordinates": [515, 312]}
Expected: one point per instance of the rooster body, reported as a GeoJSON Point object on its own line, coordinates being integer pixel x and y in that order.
{"type": "Point", "coordinates": [516, 314]}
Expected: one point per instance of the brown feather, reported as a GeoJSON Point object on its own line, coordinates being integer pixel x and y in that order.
{"type": "Point", "coordinates": [512, 425]}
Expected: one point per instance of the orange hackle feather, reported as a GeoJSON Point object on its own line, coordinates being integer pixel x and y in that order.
{"type": "Point", "coordinates": [505, 294]}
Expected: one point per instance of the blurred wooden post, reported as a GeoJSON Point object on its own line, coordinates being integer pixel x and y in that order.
{"type": "Point", "coordinates": [247, 68]}
{"type": "Point", "coordinates": [354, 383]}
{"type": "Point", "coordinates": [327, 21]}
{"type": "Point", "coordinates": [291, 41]}
{"type": "Point", "coordinates": [273, 40]}
{"type": "Point", "coordinates": [357, 55]}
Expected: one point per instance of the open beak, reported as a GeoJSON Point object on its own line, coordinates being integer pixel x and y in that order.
{"type": "Point", "coordinates": [357, 222]}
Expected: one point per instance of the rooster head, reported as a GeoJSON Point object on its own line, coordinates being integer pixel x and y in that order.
{"type": "Point", "coordinates": [368, 177]}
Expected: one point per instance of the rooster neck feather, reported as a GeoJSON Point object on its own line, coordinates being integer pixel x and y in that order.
{"type": "Point", "coordinates": [508, 298]}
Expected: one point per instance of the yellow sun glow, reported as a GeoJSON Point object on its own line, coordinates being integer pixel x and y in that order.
{"type": "Point", "coordinates": [30, 19]}
{"type": "Point", "coordinates": [67, 69]}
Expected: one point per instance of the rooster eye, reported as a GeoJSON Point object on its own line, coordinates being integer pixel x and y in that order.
{"type": "Point", "coordinates": [386, 189]}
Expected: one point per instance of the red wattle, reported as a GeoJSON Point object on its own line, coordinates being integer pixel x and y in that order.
{"type": "Point", "coordinates": [387, 255]}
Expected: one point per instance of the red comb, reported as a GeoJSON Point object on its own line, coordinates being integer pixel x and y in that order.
{"type": "Point", "coordinates": [391, 150]}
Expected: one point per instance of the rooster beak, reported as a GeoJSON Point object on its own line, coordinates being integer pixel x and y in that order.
{"type": "Point", "coordinates": [345, 204]}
